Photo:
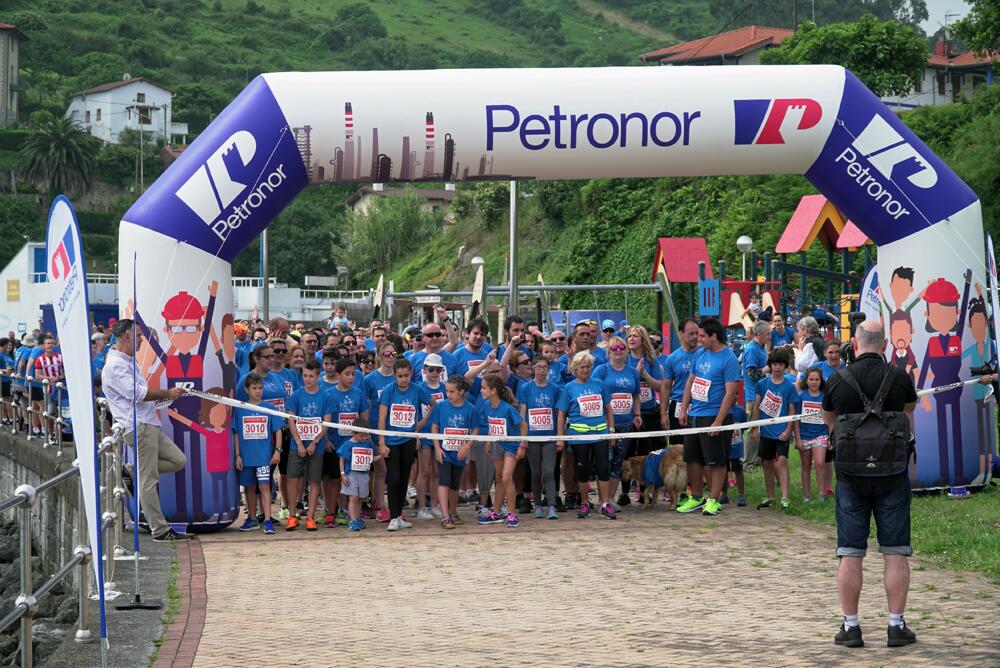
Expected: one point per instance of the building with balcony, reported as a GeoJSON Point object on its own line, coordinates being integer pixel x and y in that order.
{"type": "Point", "coordinates": [107, 110]}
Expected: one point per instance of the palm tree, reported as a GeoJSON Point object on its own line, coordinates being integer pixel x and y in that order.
{"type": "Point", "coordinates": [60, 156]}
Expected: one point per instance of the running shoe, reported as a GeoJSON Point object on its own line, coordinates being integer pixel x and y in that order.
{"type": "Point", "coordinates": [538, 512]}
{"type": "Point", "coordinates": [849, 637]}
{"type": "Point", "coordinates": [411, 492]}
{"type": "Point", "coordinates": [806, 499]}
{"type": "Point", "coordinates": [524, 506]}
{"type": "Point", "coordinates": [403, 523]}
{"type": "Point", "coordinates": [624, 500]}
{"type": "Point", "coordinates": [560, 506]}
{"type": "Point", "coordinates": [249, 525]}
{"type": "Point", "coordinates": [260, 516]}
{"type": "Point", "coordinates": [512, 522]}
{"type": "Point", "coordinates": [425, 514]}
{"type": "Point", "coordinates": [900, 635]}
{"type": "Point", "coordinates": [329, 521]}
{"type": "Point", "coordinates": [356, 525]}
{"type": "Point", "coordinates": [584, 511]}
{"type": "Point", "coordinates": [491, 518]}
{"type": "Point", "coordinates": [292, 523]}
{"type": "Point", "coordinates": [382, 515]}
{"type": "Point", "coordinates": [300, 509]}
{"type": "Point", "coordinates": [436, 512]}
{"type": "Point", "coordinates": [342, 517]}
{"type": "Point", "coordinates": [711, 507]}
{"type": "Point", "coordinates": [741, 501]}
{"type": "Point", "coordinates": [283, 513]}
{"type": "Point", "coordinates": [393, 525]}
{"type": "Point", "coordinates": [723, 498]}
{"type": "Point", "coordinates": [483, 511]}
{"type": "Point", "coordinates": [828, 491]}
{"type": "Point", "coordinates": [608, 512]}
{"type": "Point", "coordinates": [764, 505]}
{"type": "Point", "coordinates": [456, 520]}
{"type": "Point", "coordinates": [785, 504]}
{"type": "Point", "coordinates": [692, 504]}
{"type": "Point", "coordinates": [171, 536]}
{"type": "Point", "coordinates": [268, 526]}
{"type": "Point", "coordinates": [552, 514]}
{"type": "Point", "coordinates": [310, 524]}
{"type": "Point", "coordinates": [446, 523]}
{"type": "Point", "coordinates": [463, 498]}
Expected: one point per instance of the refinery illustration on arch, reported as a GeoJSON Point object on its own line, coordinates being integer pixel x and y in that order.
{"type": "Point", "coordinates": [352, 163]}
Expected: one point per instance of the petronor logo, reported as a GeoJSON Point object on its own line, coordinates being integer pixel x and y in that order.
{"type": "Point", "coordinates": [212, 188]}
{"type": "Point", "coordinates": [884, 148]}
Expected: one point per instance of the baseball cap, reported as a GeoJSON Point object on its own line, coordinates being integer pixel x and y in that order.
{"type": "Point", "coordinates": [623, 324]}
{"type": "Point", "coordinates": [434, 360]}
{"type": "Point", "coordinates": [98, 337]}
{"type": "Point", "coordinates": [28, 340]}
{"type": "Point", "coordinates": [608, 324]}
{"type": "Point", "coordinates": [941, 291]}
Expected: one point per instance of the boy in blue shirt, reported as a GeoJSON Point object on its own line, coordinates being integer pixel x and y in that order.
{"type": "Point", "coordinates": [311, 405]}
{"type": "Point", "coordinates": [776, 397]}
{"type": "Point", "coordinates": [348, 403]}
{"type": "Point", "coordinates": [252, 435]}
{"type": "Point", "coordinates": [356, 454]}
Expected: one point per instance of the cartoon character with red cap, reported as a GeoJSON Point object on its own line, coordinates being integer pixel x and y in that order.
{"type": "Point", "coordinates": [188, 326]}
{"type": "Point", "coordinates": [941, 366]}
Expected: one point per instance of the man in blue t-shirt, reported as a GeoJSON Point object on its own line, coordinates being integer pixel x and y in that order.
{"type": "Point", "coordinates": [755, 361]}
{"type": "Point", "coordinates": [710, 393]}
{"type": "Point", "coordinates": [676, 369]}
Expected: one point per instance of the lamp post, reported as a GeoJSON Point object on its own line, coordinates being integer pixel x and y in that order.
{"type": "Point", "coordinates": [744, 245]}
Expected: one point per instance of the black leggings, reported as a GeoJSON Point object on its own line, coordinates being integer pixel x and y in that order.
{"type": "Point", "coordinates": [582, 452]}
{"type": "Point", "coordinates": [398, 467]}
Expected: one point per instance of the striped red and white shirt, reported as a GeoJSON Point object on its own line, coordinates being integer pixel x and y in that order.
{"type": "Point", "coordinates": [49, 367]}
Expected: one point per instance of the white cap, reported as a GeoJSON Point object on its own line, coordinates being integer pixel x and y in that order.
{"type": "Point", "coordinates": [433, 359]}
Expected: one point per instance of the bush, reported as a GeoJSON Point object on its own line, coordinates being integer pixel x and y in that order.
{"type": "Point", "coordinates": [12, 139]}
{"type": "Point", "coordinates": [97, 222]}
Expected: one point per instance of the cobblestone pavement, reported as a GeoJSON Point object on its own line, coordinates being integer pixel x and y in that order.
{"type": "Point", "coordinates": [653, 588]}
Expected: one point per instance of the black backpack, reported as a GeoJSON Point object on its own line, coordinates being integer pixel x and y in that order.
{"type": "Point", "coordinates": [875, 443]}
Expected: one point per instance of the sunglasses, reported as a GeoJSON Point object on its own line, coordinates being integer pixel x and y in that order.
{"type": "Point", "coordinates": [433, 335]}
{"type": "Point", "coordinates": [260, 339]}
{"type": "Point", "coordinates": [279, 351]}
{"type": "Point", "coordinates": [617, 348]}
{"type": "Point", "coordinates": [186, 329]}
{"type": "Point", "coordinates": [558, 338]}
{"type": "Point", "coordinates": [389, 355]}
{"type": "Point", "coordinates": [524, 363]}
{"type": "Point", "coordinates": [349, 343]}
{"type": "Point", "coordinates": [367, 362]}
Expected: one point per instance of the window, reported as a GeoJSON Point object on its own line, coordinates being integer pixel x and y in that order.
{"type": "Point", "coordinates": [140, 97]}
{"type": "Point", "coordinates": [98, 115]}
{"type": "Point", "coordinates": [86, 116]}
{"type": "Point", "coordinates": [143, 115]}
{"type": "Point", "coordinates": [919, 87]}
{"type": "Point", "coordinates": [941, 84]}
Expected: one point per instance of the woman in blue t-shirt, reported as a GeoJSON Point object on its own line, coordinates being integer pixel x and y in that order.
{"type": "Point", "coordinates": [585, 409]}
{"type": "Point", "coordinates": [372, 386]}
{"type": "Point", "coordinates": [623, 383]}
{"type": "Point", "coordinates": [498, 414]}
{"type": "Point", "coordinates": [538, 399]}
{"type": "Point", "coordinates": [812, 435]}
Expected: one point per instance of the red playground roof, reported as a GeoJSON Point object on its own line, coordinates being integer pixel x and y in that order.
{"type": "Point", "coordinates": [815, 216]}
{"type": "Point", "coordinates": [680, 258]}
{"type": "Point", "coordinates": [852, 237]}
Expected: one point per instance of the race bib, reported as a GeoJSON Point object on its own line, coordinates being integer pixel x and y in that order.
{"type": "Point", "coordinates": [677, 410]}
{"type": "Point", "coordinates": [770, 404]}
{"type": "Point", "coordinates": [263, 473]}
{"type": "Point", "coordinates": [474, 364]}
{"type": "Point", "coordinates": [254, 427]}
{"type": "Point", "coordinates": [277, 404]}
{"type": "Point", "coordinates": [346, 418]}
{"type": "Point", "coordinates": [540, 419]}
{"type": "Point", "coordinates": [402, 416]}
{"type": "Point", "coordinates": [811, 412]}
{"type": "Point", "coordinates": [308, 430]}
{"type": "Point", "coordinates": [498, 427]}
{"type": "Point", "coordinates": [700, 388]}
{"type": "Point", "coordinates": [591, 405]}
{"type": "Point", "coordinates": [453, 444]}
{"type": "Point", "coordinates": [621, 403]}
{"type": "Point", "coordinates": [645, 393]}
{"type": "Point", "coordinates": [361, 459]}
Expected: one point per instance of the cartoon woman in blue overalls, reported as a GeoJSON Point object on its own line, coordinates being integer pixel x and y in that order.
{"type": "Point", "coordinates": [941, 366]}
{"type": "Point", "coordinates": [980, 353]}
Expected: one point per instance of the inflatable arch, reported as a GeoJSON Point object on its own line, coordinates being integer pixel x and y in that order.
{"type": "Point", "coordinates": [286, 131]}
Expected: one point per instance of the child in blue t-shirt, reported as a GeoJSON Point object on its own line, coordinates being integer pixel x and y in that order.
{"type": "Point", "coordinates": [739, 414]}
{"type": "Point", "coordinates": [425, 453]}
{"type": "Point", "coordinates": [776, 397]}
{"type": "Point", "coordinates": [455, 418]}
{"type": "Point", "coordinates": [812, 435]}
{"type": "Point", "coordinates": [348, 402]}
{"type": "Point", "coordinates": [312, 406]}
{"type": "Point", "coordinates": [498, 413]}
{"type": "Point", "coordinates": [356, 454]}
{"type": "Point", "coordinates": [253, 433]}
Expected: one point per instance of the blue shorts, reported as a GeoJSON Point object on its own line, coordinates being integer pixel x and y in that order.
{"type": "Point", "coordinates": [736, 449]}
{"type": "Point", "coordinates": [889, 501]}
{"type": "Point", "coordinates": [251, 476]}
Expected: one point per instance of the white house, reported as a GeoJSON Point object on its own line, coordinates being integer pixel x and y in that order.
{"type": "Point", "coordinates": [106, 110]}
{"type": "Point", "coordinates": [947, 77]}
{"type": "Point", "coordinates": [21, 290]}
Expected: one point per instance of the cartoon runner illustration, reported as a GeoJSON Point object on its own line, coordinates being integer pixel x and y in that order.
{"type": "Point", "coordinates": [187, 325]}
{"type": "Point", "coordinates": [225, 352]}
{"type": "Point", "coordinates": [941, 366]}
{"type": "Point", "coordinates": [901, 336]}
{"type": "Point", "coordinates": [979, 353]}
{"type": "Point", "coordinates": [900, 287]}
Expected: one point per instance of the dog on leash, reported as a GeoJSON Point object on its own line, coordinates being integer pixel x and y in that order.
{"type": "Point", "coordinates": [660, 469]}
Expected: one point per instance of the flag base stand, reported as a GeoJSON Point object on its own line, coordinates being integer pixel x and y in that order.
{"type": "Point", "coordinates": [137, 602]}
{"type": "Point", "coordinates": [959, 493]}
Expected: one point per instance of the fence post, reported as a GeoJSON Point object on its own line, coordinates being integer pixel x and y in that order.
{"type": "Point", "coordinates": [45, 413]}
{"type": "Point", "coordinates": [82, 630]}
{"type": "Point", "coordinates": [26, 598]}
{"type": "Point", "coordinates": [59, 420]}
{"type": "Point", "coordinates": [14, 406]}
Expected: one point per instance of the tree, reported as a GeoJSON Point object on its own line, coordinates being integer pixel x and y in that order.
{"type": "Point", "coordinates": [981, 26]}
{"type": "Point", "coordinates": [887, 56]}
{"type": "Point", "coordinates": [60, 156]}
{"type": "Point", "coordinates": [388, 230]}
{"type": "Point", "coordinates": [197, 104]}
{"type": "Point", "coordinates": [20, 220]}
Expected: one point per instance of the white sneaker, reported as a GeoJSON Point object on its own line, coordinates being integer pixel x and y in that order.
{"type": "Point", "coordinates": [404, 524]}
{"type": "Point", "coordinates": [411, 492]}
{"type": "Point", "coordinates": [426, 514]}
{"type": "Point", "coordinates": [485, 512]}
{"type": "Point", "coordinates": [436, 512]}
{"type": "Point", "coordinates": [393, 525]}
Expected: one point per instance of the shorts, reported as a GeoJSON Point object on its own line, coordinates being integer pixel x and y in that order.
{"type": "Point", "coordinates": [734, 465]}
{"type": "Point", "coordinates": [889, 501]}
{"type": "Point", "coordinates": [772, 448]}
{"type": "Point", "coordinates": [309, 467]}
{"type": "Point", "coordinates": [331, 465]}
{"type": "Point", "coordinates": [675, 424]}
{"type": "Point", "coordinates": [496, 450]}
{"type": "Point", "coordinates": [37, 394]}
{"type": "Point", "coordinates": [285, 449]}
{"type": "Point", "coordinates": [254, 476]}
{"type": "Point", "coordinates": [5, 390]}
{"type": "Point", "coordinates": [449, 474]}
{"type": "Point", "coordinates": [356, 485]}
{"type": "Point", "coordinates": [818, 442]}
{"type": "Point", "coordinates": [736, 449]}
{"type": "Point", "coordinates": [704, 449]}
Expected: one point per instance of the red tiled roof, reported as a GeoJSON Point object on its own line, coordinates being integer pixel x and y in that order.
{"type": "Point", "coordinates": [732, 43]}
{"type": "Point", "coordinates": [119, 84]}
{"type": "Point", "coordinates": [8, 26]}
{"type": "Point", "coordinates": [959, 61]}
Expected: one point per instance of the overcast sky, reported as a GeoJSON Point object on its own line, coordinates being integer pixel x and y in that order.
{"type": "Point", "coordinates": [936, 10]}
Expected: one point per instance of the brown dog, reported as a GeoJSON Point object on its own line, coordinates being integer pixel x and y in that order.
{"type": "Point", "coordinates": [672, 471]}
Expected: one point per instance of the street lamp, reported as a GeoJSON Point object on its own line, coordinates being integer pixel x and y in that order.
{"type": "Point", "coordinates": [477, 262]}
{"type": "Point", "coordinates": [744, 245]}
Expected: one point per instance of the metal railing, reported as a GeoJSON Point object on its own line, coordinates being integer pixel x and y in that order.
{"type": "Point", "coordinates": [110, 453]}
{"type": "Point", "coordinates": [22, 415]}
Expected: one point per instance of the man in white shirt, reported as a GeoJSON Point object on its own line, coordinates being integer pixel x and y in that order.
{"type": "Point", "coordinates": [157, 453]}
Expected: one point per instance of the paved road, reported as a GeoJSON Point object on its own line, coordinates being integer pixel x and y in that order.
{"type": "Point", "coordinates": [651, 589]}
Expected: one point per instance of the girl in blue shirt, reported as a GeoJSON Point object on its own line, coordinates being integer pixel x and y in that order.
{"type": "Point", "coordinates": [400, 409]}
{"type": "Point", "coordinates": [585, 408]}
{"type": "Point", "coordinates": [500, 417]}
{"type": "Point", "coordinates": [425, 455]}
{"type": "Point", "coordinates": [776, 397]}
{"type": "Point", "coordinates": [455, 417]}
{"type": "Point", "coordinates": [623, 383]}
{"type": "Point", "coordinates": [538, 399]}
{"type": "Point", "coordinates": [373, 384]}
{"type": "Point", "coordinates": [812, 435]}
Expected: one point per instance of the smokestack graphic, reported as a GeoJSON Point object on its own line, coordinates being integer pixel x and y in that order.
{"type": "Point", "coordinates": [429, 145]}
{"type": "Point", "coordinates": [348, 159]}
{"type": "Point", "coordinates": [304, 143]}
{"type": "Point", "coordinates": [338, 164]}
{"type": "Point", "coordinates": [449, 158]}
{"type": "Point", "coordinates": [375, 157]}
{"type": "Point", "coordinates": [405, 166]}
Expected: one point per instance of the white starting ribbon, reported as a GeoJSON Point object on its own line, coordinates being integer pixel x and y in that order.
{"type": "Point", "coordinates": [544, 439]}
